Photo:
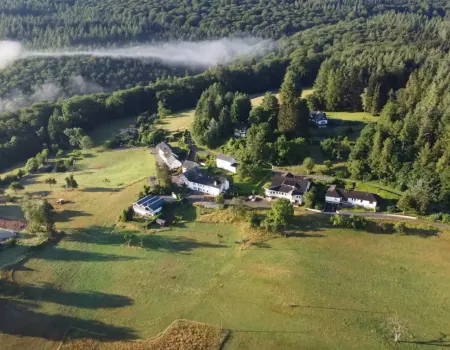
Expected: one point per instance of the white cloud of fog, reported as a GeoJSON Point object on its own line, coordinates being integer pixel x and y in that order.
{"type": "Point", "coordinates": [9, 52]}
{"type": "Point", "coordinates": [48, 92]}
{"type": "Point", "coordinates": [202, 53]}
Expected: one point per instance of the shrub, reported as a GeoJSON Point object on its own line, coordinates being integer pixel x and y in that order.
{"type": "Point", "coordinates": [254, 220]}
{"type": "Point", "coordinates": [446, 218]}
{"type": "Point", "coordinates": [435, 217]}
{"type": "Point", "coordinates": [129, 237]}
{"type": "Point", "coordinates": [400, 227]}
{"type": "Point", "coordinates": [220, 199]}
{"type": "Point", "coordinates": [126, 214]}
{"type": "Point", "coordinates": [391, 209]}
{"type": "Point", "coordinates": [383, 227]}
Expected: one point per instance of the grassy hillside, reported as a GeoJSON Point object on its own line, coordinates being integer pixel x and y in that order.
{"type": "Point", "coordinates": [277, 294]}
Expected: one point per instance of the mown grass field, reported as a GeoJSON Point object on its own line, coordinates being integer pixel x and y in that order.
{"type": "Point", "coordinates": [105, 132]}
{"type": "Point", "coordinates": [178, 121]}
{"type": "Point", "coordinates": [257, 99]}
{"type": "Point", "coordinates": [322, 288]}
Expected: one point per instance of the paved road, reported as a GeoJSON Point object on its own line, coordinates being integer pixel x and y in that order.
{"type": "Point", "coordinates": [264, 204]}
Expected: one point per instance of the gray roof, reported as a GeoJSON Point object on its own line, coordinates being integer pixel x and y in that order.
{"type": "Point", "coordinates": [167, 150]}
{"type": "Point", "coordinates": [351, 194]}
{"type": "Point", "coordinates": [188, 164]}
{"type": "Point", "coordinates": [199, 176]}
{"type": "Point", "coordinates": [288, 183]}
{"type": "Point", "coordinates": [317, 116]}
{"type": "Point", "coordinates": [228, 159]}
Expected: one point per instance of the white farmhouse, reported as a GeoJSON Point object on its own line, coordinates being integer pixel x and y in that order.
{"type": "Point", "coordinates": [196, 179]}
{"type": "Point", "coordinates": [240, 130]}
{"type": "Point", "coordinates": [167, 156]}
{"type": "Point", "coordinates": [227, 163]}
{"type": "Point", "coordinates": [351, 198]}
{"type": "Point", "coordinates": [289, 186]}
{"type": "Point", "coordinates": [319, 119]}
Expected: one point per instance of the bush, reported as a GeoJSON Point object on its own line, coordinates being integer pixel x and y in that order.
{"type": "Point", "coordinates": [129, 238]}
{"type": "Point", "coordinates": [126, 214]}
{"type": "Point", "coordinates": [254, 220]}
{"type": "Point", "coordinates": [383, 227]}
{"type": "Point", "coordinates": [435, 217]}
{"type": "Point", "coordinates": [446, 218]}
{"type": "Point", "coordinates": [391, 209]}
{"type": "Point", "coordinates": [400, 227]}
{"type": "Point", "coordinates": [220, 199]}
{"type": "Point", "coordinates": [354, 221]}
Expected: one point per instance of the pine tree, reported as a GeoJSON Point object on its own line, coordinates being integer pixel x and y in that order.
{"type": "Point", "coordinates": [289, 108]}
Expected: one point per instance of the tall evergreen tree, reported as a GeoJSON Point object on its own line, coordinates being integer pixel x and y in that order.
{"type": "Point", "coordinates": [289, 103]}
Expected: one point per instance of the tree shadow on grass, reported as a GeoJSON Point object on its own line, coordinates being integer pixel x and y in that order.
{"type": "Point", "coordinates": [99, 189]}
{"type": "Point", "coordinates": [443, 341]}
{"type": "Point", "coordinates": [159, 242]}
{"type": "Point", "coordinates": [47, 293]}
{"type": "Point", "coordinates": [68, 215]}
{"type": "Point", "coordinates": [20, 319]}
{"type": "Point", "coordinates": [62, 254]}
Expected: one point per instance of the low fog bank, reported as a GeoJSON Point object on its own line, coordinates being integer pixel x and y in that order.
{"type": "Point", "coordinates": [48, 92]}
{"type": "Point", "coordinates": [201, 53]}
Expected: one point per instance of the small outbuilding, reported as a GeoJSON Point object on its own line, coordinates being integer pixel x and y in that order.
{"type": "Point", "coordinates": [161, 222]}
{"type": "Point", "coordinates": [319, 119]}
{"type": "Point", "coordinates": [226, 162]}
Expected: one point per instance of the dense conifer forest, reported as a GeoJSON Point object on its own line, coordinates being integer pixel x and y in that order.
{"type": "Point", "coordinates": [388, 58]}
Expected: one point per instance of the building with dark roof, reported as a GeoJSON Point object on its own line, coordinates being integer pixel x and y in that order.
{"type": "Point", "coordinates": [288, 186]}
{"type": "Point", "coordinates": [148, 206]}
{"type": "Point", "coordinates": [188, 164]}
{"type": "Point", "coordinates": [240, 130]}
{"type": "Point", "coordinates": [167, 156]}
{"type": "Point", "coordinates": [352, 198]}
{"type": "Point", "coordinates": [198, 180]}
{"type": "Point", "coordinates": [319, 119]}
{"type": "Point", "coordinates": [226, 162]}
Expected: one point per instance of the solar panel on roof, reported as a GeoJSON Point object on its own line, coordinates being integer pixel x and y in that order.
{"type": "Point", "coordinates": [157, 204]}
{"type": "Point", "coordinates": [148, 199]}
{"type": "Point", "coordinates": [140, 201]}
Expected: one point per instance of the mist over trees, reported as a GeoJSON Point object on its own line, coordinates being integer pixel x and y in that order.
{"type": "Point", "coordinates": [393, 65]}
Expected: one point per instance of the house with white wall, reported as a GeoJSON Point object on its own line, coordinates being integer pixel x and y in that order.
{"type": "Point", "coordinates": [240, 130]}
{"type": "Point", "coordinates": [197, 179]}
{"type": "Point", "coordinates": [319, 119]}
{"type": "Point", "coordinates": [288, 186]}
{"type": "Point", "coordinates": [148, 206]}
{"type": "Point", "coordinates": [168, 157]}
{"type": "Point", "coordinates": [351, 198]}
{"type": "Point", "coordinates": [227, 163]}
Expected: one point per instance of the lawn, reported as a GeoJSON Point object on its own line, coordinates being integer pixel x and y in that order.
{"type": "Point", "coordinates": [108, 182]}
{"type": "Point", "coordinates": [302, 291]}
{"type": "Point", "coordinates": [182, 120]}
{"type": "Point", "coordinates": [178, 121]}
{"type": "Point", "coordinates": [353, 116]}
{"type": "Point", "coordinates": [257, 99]}
{"type": "Point", "coordinates": [105, 131]}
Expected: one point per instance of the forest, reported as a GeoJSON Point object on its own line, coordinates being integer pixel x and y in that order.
{"type": "Point", "coordinates": [358, 55]}
{"type": "Point", "coordinates": [41, 24]}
